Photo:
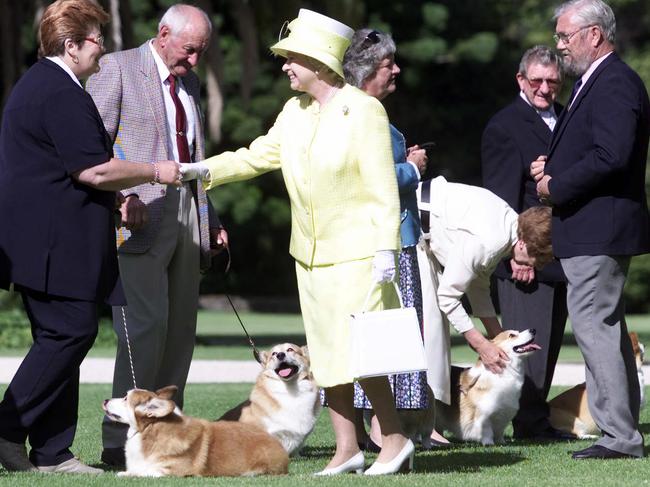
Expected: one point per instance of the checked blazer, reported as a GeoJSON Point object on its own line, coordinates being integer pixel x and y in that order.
{"type": "Point", "coordinates": [133, 111]}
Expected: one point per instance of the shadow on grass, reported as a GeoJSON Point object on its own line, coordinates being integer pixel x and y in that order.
{"type": "Point", "coordinates": [316, 452]}
{"type": "Point", "coordinates": [644, 428]}
{"type": "Point", "coordinates": [465, 462]}
{"type": "Point", "coordinates": [261, 341]}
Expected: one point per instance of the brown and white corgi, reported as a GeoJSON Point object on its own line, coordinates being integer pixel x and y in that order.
{"type": "Point", "coordinates": [162, 441]}
{"type": "Point", "coordinates": [569, 411]}
{"type": "Point", "coordinates": [284, 401]}
{"type": "Point", "coordinates": [482, 402]}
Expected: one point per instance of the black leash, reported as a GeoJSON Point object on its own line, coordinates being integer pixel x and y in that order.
{"type": "Point", "coordinates": [256, 353]}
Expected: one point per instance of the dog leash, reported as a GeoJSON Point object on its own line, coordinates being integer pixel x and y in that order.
{"type": "Point", "coordinates": [128, 346]}
{"type": "Point", "coordinates": [256, 353]}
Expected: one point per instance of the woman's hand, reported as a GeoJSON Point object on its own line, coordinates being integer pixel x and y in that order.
{"type": "Point", "coordinates": [494, 359]}
{"type": "Point", "coordinates": [522, 273]}
{"type": "Point", "coordinates": [418, 157]}
{"type": "Point", "coordinates": [167, 172]}
{"type": "Point", "coordinates": [383, 266]}
{"type": "Point", "coordinates": [194, 170]}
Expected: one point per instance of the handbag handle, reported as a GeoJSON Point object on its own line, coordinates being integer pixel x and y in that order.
{"type": "Point", "coordinates": [372, 288]}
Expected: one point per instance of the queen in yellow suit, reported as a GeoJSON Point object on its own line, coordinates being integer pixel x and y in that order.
{"type": "Point", "coordinates": [333, 146]}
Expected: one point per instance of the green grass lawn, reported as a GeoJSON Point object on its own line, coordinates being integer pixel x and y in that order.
{"type": "Point", "coordinates": [220, 337]}
{"type": "Point", "coordinates": [515, 464]}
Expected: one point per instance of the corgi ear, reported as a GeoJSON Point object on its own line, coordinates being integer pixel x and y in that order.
{"type": "Point", "coordinates": [167, 392]}
{"type": "Point", "coordinates": [305, 351]}
{"type": "Point", "coordinates": [156, 408]}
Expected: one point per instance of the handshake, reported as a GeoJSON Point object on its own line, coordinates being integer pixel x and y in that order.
{"type": "Point", "coordinates": [170, 172]}
{"type": "Point", "coordinates": [194, 170]}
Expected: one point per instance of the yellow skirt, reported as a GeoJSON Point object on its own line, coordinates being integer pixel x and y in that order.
{"type": "Point", "coordinates": [328, 296]}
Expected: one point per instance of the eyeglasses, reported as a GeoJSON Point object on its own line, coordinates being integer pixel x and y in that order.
{"type": "Point", "coordinates": [99, 40]}
{"type": "Point", "coordinates": [371, 39]}
{"type": "Point", "coordinates": [537, 82]}
{"type": "Point", "coordinates": [566, 38]}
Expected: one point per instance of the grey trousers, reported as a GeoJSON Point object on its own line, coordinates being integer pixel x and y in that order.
{"type": "Point", "coordinates": [597, 314]}
{"type": "Point", "coordinates": [162, 289]}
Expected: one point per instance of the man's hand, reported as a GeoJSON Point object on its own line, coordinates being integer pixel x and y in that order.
{"type": "Point", "coordinates": [542, 189]}
{"type": "Point", "coordinates": [218, 240]}
{"type": "Point", "coordinates": [522, 273]}
{"type": "Point", "coordinates": [537, 168]}
{"type": "Point", "coordinates": [133, 212]}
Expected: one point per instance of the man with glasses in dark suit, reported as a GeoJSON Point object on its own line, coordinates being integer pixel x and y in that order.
{"type": "Point", "coordinates": [513, 137]}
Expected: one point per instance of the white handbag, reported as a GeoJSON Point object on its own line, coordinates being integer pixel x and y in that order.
{"type": "Point", "coordinates": [385, 342]}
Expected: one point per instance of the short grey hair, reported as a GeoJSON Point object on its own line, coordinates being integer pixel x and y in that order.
{"type": "Point", "coordinates": [590, 12]}
{"type": "Point", "coordinates": [543, 55]}
{"type": "Point", "coordinates": [364, 56]}
{"type": "Point", "coordinates": [178, 16]}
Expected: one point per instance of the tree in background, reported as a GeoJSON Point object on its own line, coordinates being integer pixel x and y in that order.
{"type": "Point", "coordinates": [458, 60]}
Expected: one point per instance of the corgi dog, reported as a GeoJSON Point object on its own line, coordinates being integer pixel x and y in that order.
{"type": "Point", "coordinates": [163, 441]}
{"type": "Point", "coordinates": [285, 399]}
{"type": "Point", "coordinates": [482, 402]}
{"type": "Point", "coordinates": [569, 411]}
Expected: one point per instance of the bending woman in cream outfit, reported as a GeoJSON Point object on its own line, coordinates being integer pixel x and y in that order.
{"type": "Point", "coordinates": [334, 149]}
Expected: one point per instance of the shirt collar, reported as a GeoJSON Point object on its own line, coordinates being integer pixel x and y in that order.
{"type": "Point", "coordinates": [591, 70]}
{"type": "Point", "coordinates": [59, 62]}
{"type": "Point", "coordinates": [542, 113]}
{"type": "Point", "coordinates": [163, 70]}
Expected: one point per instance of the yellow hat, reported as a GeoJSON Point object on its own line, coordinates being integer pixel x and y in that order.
{"type": "Point", "coordinates": [317, 36]}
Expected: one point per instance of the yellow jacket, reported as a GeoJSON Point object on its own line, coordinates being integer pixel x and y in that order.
{"type": "Point", "coordinates": [338, 168]}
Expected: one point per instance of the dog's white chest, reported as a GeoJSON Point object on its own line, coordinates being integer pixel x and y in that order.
{"type": "Point", "coordinates": [296, 417]}
{"type": "Point", "coordinates": [136, 463]}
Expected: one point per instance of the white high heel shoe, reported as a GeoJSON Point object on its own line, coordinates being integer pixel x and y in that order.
{"type": "Point", "coordinates": [400, 463]}
{"type": "Point", "coordinates": [354, 464]}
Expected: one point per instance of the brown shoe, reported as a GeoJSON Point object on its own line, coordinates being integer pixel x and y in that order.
{"type": "Point", "coordinates": [70, 466]}
{"type": "Point", "coordinates": [13, 457]}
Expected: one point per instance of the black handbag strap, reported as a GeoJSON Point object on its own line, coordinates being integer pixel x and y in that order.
{"type": "Point", "coordinates": [425, 197]}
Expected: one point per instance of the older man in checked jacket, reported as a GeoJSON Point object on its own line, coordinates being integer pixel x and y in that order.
{"type": "Point", "coordinates": [167, 232]}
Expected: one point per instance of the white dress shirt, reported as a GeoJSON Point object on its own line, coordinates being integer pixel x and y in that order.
{"type": "Point", "coordinates": [170, 108]}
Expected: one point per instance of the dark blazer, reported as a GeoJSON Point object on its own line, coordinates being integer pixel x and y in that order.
{"type": "Point", "coordinates": [513, 138]}
{"type": "Point", "coordinates": [58, 235]}
{"type": "Point", "coordinates": [597, 160]}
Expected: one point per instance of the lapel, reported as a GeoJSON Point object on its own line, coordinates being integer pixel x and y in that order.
{"type": "Point", "coordinates": [567, 114]}
{"type": "Point", "coordinates": [533, 120]}
{"type": "Point", "coordinates": [198, 125]}
{"type": "Point", "coordinates": [153, 90]}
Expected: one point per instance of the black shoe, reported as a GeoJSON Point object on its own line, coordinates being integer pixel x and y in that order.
{"type": "Point", "coordinates": [114, 457]}
{"type": "Point", "coordinates": [599, 452]}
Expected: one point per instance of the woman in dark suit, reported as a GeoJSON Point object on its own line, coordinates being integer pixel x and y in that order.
{"type": "Point", "coordinates": [57, 200]}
